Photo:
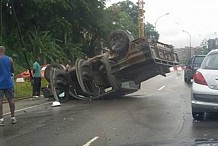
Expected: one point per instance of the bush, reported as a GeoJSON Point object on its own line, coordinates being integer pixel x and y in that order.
{"type": "Point", "coordinates": [23, 89]}
{"type": "Point", "coordinates": [18, 68]}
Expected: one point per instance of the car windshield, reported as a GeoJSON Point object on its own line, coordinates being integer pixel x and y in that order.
{"type": "Point", "coordinates": [210, 62]}
{"type": "Point", "coordinates": [198, 60]}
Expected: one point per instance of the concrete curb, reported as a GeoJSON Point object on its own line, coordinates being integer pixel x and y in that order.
{"type": "Point", "coordinates": [16, 99]}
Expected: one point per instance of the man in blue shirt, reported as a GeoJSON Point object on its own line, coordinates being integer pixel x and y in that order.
{"type": "Point", "coordinates": [36, 78]}
{"type": "Point", "coordinates": [6, 84]}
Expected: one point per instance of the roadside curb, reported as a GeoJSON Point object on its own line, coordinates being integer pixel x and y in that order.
{"type": "Point", "coordinates": [16, 99]}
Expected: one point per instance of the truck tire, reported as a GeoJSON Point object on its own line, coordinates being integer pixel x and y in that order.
{"type": "Point", "coordinates": [61, 85]}
{"type": "Point", "coordinates": [48, 69]}
{"type": "Point", "coordinates": [119, 42]}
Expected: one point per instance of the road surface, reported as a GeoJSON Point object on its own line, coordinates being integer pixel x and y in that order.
{"type": "Point", "coordinates": [158, 114]}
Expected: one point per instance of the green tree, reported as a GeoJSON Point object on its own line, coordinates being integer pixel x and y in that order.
{"type": "Point", "coordinates": [64, 29]}
{"type": "Point", "coordinates": [125, 16]}
{"type": "Point", "coordinates": [45, 46]}
{"type": "Point", "coordinates": [116, 17]}
{"type": "Point", "coordinates": [130, 8]}
{"type": "Point", "coordinates": [204, 46]}
{"type": "Point", "coordinates": [68, 21]}
{"type": "Point", "coordinates": [150, 31]}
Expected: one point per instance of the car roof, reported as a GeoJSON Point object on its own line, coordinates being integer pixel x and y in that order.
{"type": "Point", "coordinates": [213, 51]}
{"type": "Point", "coordinates": [199, 55]}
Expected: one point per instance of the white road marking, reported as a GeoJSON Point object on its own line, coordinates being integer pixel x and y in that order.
{"type": "Point", "coordinates": [91, 141]}
{"type": "Point", "coordinates": [161, 88]}
{"type": "Point", "coordinates": [177, 78]}
{"type": "Point", "coordinates": [23, 109]}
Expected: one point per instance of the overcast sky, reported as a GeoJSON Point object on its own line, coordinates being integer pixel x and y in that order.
{"type": "Point", "coordinates": [198, 17]}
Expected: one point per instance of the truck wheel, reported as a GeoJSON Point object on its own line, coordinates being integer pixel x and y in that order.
{"type": "Point", "coordinates": [198, 115]}
{"type": "Point", "coordinates": [119, 42]}
{"type": "Point", "coordinates": [48, 69]}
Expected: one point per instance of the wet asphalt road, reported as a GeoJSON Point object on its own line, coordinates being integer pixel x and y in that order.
{"type": "Point", "coordinates": [158, 114]}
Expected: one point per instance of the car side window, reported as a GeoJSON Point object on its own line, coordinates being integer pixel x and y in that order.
{"type": "Point", "coordinates": [211, 62]}
{"type": "Point", "coordinates": [198, 60]}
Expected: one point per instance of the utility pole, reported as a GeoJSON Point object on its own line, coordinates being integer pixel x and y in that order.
{"type": "Point", "coordinates": [141, 18]}
{"type": "Point", "coordinates": [190, 42]}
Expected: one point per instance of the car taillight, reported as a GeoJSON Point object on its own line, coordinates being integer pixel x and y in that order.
{"type": "Point", "coordinates": [199, 78]}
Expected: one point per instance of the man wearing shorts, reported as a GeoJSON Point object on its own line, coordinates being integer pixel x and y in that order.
{"type": "Point", "coordinates": [6, 84]}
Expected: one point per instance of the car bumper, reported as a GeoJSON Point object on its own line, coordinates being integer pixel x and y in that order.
{"type": "Point", "coordinates": [204, 99]}
{"type": "Point", "coordinates": [199, 106]}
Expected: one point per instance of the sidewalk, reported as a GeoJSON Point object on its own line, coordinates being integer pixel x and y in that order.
{"type": "Point", "coordinates": [25, 103]}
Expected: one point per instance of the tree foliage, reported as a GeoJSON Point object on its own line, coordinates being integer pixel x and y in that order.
{"type": "Point", "coordinates": [125, 15]}
{"type": "Point", "coordinates": [150, 31]}
{"type": "Point", "coordinates": [117, 18]}
{"type": "Point", "coordinates": [44, 45]}
{"type": "Point", "coordinates": [64, 29]}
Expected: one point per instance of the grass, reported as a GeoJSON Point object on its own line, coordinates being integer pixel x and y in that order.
{"type": "Point", "coordinates": [24, 89]}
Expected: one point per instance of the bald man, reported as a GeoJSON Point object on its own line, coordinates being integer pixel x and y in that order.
{"type": "Point", "coordinates": [6, 84]}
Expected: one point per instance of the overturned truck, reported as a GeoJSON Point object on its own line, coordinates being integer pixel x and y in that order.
{"type": "Point", "coordinates": [118, 71]}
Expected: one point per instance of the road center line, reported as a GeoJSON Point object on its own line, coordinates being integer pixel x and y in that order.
{"type": "Point", "coordinates": [91, 141]}
{"type": "Point", "coordinates": [161, 88]}
{"type": "Point", "coordinates": [23, 109]}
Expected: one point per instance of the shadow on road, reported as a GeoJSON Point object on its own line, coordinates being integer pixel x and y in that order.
{"type": "Point", "coordinates": [121, 97]}
{"type": "Point", "coordinates": [188, 85]}
{"type": "Point", "coordinates": [108, 100]}
{"type": "Point", "coordinates": [211, 117]}
{"type": "Point", "coordinates": [206, 128]}
{"type": "Point", "coordinates": [210, 121]}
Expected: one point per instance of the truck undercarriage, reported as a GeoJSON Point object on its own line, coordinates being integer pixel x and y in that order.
{"type": "Point", "coordinates": [119, 71]}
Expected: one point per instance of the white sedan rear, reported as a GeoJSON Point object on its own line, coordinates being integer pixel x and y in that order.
{"type": "Point", "coordinates": [205, 86]}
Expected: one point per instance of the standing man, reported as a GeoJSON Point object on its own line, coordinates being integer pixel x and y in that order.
{"type": "Point", "coordinates": [36, 78]}
{"type": "Point", "coordinates": [6, 84]}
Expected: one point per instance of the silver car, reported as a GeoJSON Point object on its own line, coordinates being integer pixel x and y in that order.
{"type": "Point", "coordinates": [205, 87]}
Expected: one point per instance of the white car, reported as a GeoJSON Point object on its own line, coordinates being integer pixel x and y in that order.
{"type": "Point", "coordinates": [204, 95]}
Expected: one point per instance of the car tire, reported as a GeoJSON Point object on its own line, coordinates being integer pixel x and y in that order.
{"type": "Point", "coordinates": [49, 67]}
{"type": "Point", "coordinates": [188, 80]}
{"type": "Point", "coordinates": [185, 79]}
{"type": "Point", "coordinates": [198, 115]}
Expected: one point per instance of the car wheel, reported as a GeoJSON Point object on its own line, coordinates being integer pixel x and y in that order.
{"type": "Point", "coordinates": [198, 115]}
{"type": "Point", "coordinates": [48, 70]}
{"type": "Point", "coordinates": [185, 79]}
{"type": "Point", "coordinates": [188, 80]}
